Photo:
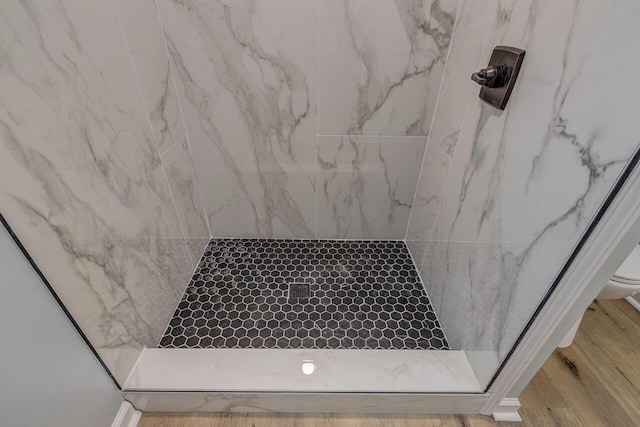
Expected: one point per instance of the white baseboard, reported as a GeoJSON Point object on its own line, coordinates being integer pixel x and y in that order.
{"type": "Point", "coordinates": [508, 410]}
{"type": "Point", "coordinates": [127, 416]}
{"type": "Point", "coordinates": [634, 302]}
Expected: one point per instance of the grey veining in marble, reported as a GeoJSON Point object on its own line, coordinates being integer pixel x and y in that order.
{"type": "Point", "coordinates": [380, 64]}
{"type": "Point", "coordinates": [81, 180]}
{"type": "Point", "coordinates": [139, 20]}
{"type": "Point", "coordinates": [366, 185]}
{"type": "Point", "coordinates": [145, 41]}
{"type": "Point", "coordinates": [247, 74]}
{"type": "Point", "coordinates": [226, 370]}
{"type": "Point", "coordinates": [503, 196]}
{"type": "Point", "coordinates": [524, 183]}
{"type": "Point", "coordinates": [252, 76]}
{"type": "Point", "coordinates": [184, 187]}
{"type": "Point", "coordinates": [467, 55]}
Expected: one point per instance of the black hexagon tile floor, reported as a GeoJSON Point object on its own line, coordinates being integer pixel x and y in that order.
{"type": "Point", "coordinates": [266, 293]}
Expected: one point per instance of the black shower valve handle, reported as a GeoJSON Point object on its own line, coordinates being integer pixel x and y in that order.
{"type": "Point", "coordinates": [479, 79]}
{"type": "Point", "coordinates": [493, 76]}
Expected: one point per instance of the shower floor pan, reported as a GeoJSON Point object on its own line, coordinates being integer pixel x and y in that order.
{"type": "Point", "coordinates": [304, 326]}
{"type": "Point", "coordinates": [305, 294]}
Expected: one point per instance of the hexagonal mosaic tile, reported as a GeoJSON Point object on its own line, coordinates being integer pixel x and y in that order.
{"type": "Point", "coordinates": [266, 293]}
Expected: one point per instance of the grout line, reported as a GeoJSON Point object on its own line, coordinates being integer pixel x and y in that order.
{"type": "Point", "coordinates": [439, 212]}
{"type": "Point", "coordinates": [448, 178]}
{"type": "Point", "coordinates": [424, 287]}
{"type": "Point", "coordinates": [317, 179]}
{"type": "Point", "coordinates": [433, 118]}
{"type": "Point", "coordinates": [184, 235]}
{"type": "Point", "coordinates": [135, 73]}
{"type": "Point", "coordinates": [317, 139]}
{"type": "Point", "coordinates": [193, 272]}
{"type": "Point", "coordinates": [202, 254]}
{"type": "Point", "coordinates": [462, 125]}
{"type": "Point", "coordinates": [173, 144]}
{"type": "Point", "coordinates": [135, 365]}
{"type": "Point", "coordinates": [298, 238]}
{"type": "Point", "coordinates": [193, 166]}
{"type": "Point", "coordinates": [184, 123]}
{"type": "Point", "coordinates": [307, 239]}
{"type": "Point", "coordinates": [364, 136]}
{"type": "Point", "coordinates": [416, 266]}
{"type": "Point", "coordinates": [141, 93]}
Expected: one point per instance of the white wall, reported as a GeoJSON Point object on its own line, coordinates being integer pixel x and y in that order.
{"type": "Point", "coordinates": [48, 376]}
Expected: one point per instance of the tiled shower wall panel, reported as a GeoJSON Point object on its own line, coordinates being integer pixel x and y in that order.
{"type": "Point", "coordinates": [308, 118]}
{"type": "Point", "coordinates": [504, 196]}
{"type": "Point", "coordinates": [140, 23]}
{"type": "Point", "coordinates": [90, 162]}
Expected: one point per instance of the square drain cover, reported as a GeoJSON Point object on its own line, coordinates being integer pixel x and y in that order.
{"type": "Point", "coordinates": [298, 291]}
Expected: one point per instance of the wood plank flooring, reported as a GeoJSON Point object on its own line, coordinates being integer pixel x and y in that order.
{"type": "Point", "coordinates": [595, 382]}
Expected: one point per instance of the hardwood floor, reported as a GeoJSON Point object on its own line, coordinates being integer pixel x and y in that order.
{"type": "Point", "coordinates": [595, 382]}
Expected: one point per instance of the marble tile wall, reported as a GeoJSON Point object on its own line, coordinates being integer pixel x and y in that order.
{"type": "Point", "coordinates": [521, 185]}
{"type": "Point", "coordinates": [307, 118]}
{"type": "Point", "coordinates": [275, 92]}
{"type": "Point", "coordinates": [148, 52]}
{"type": "Point", "coordinates": [87, 176]}
{"type": "Point", "coordinates": [366, 185]}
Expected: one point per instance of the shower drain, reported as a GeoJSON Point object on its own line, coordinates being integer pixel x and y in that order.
{"type": "Point", "coordinates": [298, 291]}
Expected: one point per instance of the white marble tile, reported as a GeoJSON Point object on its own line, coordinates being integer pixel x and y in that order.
{"type": "Point", "coordinates": [139, 20]}
{"type": "Point", "coordinates": [474, 23]}
{"type": "Point", "coordinates": [381, 64]}
{"type": "Point", "coordinates": [272, 205]}
{"type": "Point", "coordinates": [469, 287]}
{"type": "Point", "coordinates": [525, 183]}
{"type": "Point", "coordinates": [76, 128]}
{"type": "Point", "coordinates": [483, 297]}
{"type": "Point", "coordinates": [247, 83]}
{"type": "Point", "coordinates": [81, 180]}
{"type": "Point", "coordinates": [276, 201]}
{"type": "Point", "coordinates": [428, 193]}
{"type": "Point", "coordinates": [185, 190]}
{"type": "Point", "coordinates": [366, 185]}
{"type": "Point", "coordinates": [408, 371]}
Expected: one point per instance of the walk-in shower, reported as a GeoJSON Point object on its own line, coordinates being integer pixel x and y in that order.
{"type": "Point", "coordinates": [229, 194]}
